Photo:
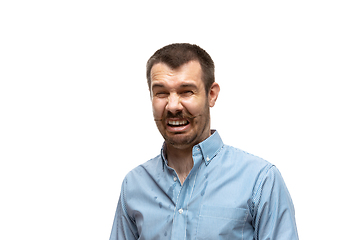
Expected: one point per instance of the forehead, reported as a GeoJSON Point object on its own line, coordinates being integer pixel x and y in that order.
{"type": "Point", "coordinates": [190, 72]}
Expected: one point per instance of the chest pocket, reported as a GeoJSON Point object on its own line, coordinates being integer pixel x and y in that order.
{"type": "Point", "coordinates": [217, 222]}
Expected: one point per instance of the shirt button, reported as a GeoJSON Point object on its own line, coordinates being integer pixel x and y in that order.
{"type": "Point", "coordinates": [175, 179]}
{"type": "Point", "coordinates": [181, 210]}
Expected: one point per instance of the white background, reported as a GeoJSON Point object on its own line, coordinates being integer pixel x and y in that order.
{"type": "Point", "coordinates": [75, 112]}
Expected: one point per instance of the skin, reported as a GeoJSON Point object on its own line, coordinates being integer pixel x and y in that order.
{"type": "Point", "coordinates": [178, 95]}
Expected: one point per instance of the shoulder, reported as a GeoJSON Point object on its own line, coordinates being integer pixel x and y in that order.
{"type": "Point", "coordinates": [256, 169]}
{"type": "Point", "coordinates": [243, 159]}
{"type": "Point", "coordinates": [150, 167]}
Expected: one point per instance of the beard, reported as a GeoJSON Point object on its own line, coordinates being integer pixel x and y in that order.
{"type": "Point", "coordinates": [199, 128]}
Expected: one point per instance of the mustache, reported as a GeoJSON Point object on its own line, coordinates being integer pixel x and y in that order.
{"type": "Point", "coordinates": [177, 115]}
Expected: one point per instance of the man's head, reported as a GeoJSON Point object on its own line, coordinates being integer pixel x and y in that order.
{"type": "Point", "coordinates": [180, 97]}
{"type": "Point", "coordinates": [177, 54]}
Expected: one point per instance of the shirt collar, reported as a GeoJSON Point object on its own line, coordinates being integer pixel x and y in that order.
{"type": "Point", "coordinates": [210, 147]}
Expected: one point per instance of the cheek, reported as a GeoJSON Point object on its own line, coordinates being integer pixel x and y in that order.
{"type": "Point", "coordinates": [194, 106]}
{"type": "Point", "coordinates": [158, 108]}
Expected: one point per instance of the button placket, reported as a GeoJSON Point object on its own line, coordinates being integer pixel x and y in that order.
{"type": "Point", "coordinates": [185, 195]}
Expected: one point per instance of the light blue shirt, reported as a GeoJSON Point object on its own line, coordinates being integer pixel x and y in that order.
{"type": "Point", "coordinates": [229, 194]}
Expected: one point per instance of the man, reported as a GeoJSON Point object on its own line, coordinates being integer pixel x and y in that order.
{"type": "Point", "coordinates": [198, 188]}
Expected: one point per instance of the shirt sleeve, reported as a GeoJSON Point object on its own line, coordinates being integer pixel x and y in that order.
{"type": "Point", "coordinates": [273, 213]}
{"type": "Point", "coordinates": [124, 228]}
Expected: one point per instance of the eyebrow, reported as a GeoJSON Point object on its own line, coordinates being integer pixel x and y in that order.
{"type": "Point", "coordinates": [190, 85]}
{"type": "Point", "coordinates": [157, 85]}
{"type": "Point", "coordinates": [184, 85]}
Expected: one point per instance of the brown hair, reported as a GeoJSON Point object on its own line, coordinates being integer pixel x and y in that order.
{"type": "Point", "coordinates": [177, 54]}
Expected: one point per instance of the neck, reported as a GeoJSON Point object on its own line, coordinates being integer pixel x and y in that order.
{"type": "Point", "coordinates": [180, 157]}
{"type": "Point", "coordinates": [180, 160]}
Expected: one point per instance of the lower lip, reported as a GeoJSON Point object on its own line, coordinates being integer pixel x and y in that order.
{"type": "Point", "coordinates": [178, 128]}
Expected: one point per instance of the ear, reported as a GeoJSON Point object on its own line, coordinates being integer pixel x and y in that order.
{"type": "Point", "coordinates": [213, 94]}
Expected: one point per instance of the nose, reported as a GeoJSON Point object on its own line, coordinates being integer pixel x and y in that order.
{"type": "Point", "coordinates": [174, 104]}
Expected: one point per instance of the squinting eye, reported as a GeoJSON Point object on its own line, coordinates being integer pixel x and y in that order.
{"type": "Point", "coordinates": [188, 93]}
{"type": "Point", "coordinates": [161, 94]}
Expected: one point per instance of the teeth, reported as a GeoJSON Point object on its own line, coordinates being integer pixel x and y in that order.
{"type": "Point", "coordinates": [177, 123]}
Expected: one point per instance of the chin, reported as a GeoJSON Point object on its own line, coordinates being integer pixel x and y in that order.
{"type": "Point", "coordinates": [180, 142]}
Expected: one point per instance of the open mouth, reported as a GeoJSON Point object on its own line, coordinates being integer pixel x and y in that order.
{"type": "Point", "coordinates": [178, 123]}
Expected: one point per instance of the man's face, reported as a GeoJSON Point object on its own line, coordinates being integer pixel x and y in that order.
{"type": "Point", "coordinates": [180, 104]}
